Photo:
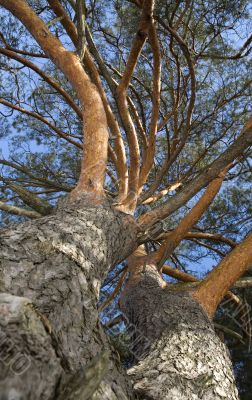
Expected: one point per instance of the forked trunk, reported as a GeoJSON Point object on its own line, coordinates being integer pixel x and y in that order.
{"type": "Point", "coordinates": [51, 271]}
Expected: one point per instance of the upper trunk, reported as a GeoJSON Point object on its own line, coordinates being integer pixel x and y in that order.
{"type": "Point", "coordinates": [58, 262]}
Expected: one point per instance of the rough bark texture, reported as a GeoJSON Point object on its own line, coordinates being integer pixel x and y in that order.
{"type": "Point", "coordinates": [178, 355]}
{"type": "Point", "coordinates": [27, 354]}
{"type": "Point", "coordinates": [58, 262]}
{"type": "Point", "coordinates": [50, 274]}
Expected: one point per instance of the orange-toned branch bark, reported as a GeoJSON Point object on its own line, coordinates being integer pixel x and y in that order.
{"type": "Point", "coordinates": [163, 171]}
{"type": "Point", "coordinates": [211, 236]}
{"type": "Point", "coordinates": [177, 274]}
{"type": "Point", "coordinates": [184, 277]}
{"type": "Point", "coordinates": [214, 287]}
{"type": "Point", "coordinates": [169, 245]}
{"type": "Point", "coordinates": [121, 92]}
{"type": "Point", "coordinates": [137, 262]}
{"type": "Point", "coordinates": [178, 144]}
{"type": "Point", "coordinates": [185, 50]}
{"type": "Point", "coordinates": [96, 132]}
{"type": "Point", "coordinates": [121, 165]}
{"type": "Point", "coordinates": [150, 151]}
{"type": "Point", "coordinates": [162, 193]}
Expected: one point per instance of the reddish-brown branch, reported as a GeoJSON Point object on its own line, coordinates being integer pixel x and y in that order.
{"type": "Point", "coordinates": [96, 132]}
{"type": "Point", "coordinates": [23, 52]}
{"type": "Point", "coordinates": [185, 277]}
{"type": "Point", "coordinates": [121, 164]}
{"type": "Point", "coordinates": [211, 236]}
{"type": "Point", "coordinates": [214, 287]}
{"type": "Point", "coordinates": [163, 171]}
{"type": "Point", "coordinates": [169, 245]}
{"type": "Point", "coordinates": [137, 262]}
{"type": "Point", "coordinates": [178, 145]}
{"type": "Point", "coordinates": [150, 151]}
{"type": "Point", "coordinates": [121, 92]}
{"type": "Point", "coordinates": [155, 197]}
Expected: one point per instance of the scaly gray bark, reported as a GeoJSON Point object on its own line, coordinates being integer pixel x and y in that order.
{"type": "Point", "coordinates": [178, 356]}
{"type": "Point", "coordinates": [58, 262]}
{"type": "Point", "coordinates": [51, 270]}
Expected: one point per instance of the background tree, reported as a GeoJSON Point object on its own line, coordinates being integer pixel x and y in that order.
{"type": "Point", "coordinates": [130, 136]}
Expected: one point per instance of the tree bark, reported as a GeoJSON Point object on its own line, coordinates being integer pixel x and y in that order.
{"type": "Point", "coordinates": [178, 355]}
{"type": "Point", "coordinates": [58, 263]}
{"type": "Point", "coordinates": [52, 345]}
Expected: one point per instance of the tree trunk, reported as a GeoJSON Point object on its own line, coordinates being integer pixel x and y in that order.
{"type": "Point", "coordinates": [52, 345]}
{"type": "Point", "coordinates": [177, 354]}
{"type": "Point", "coordinates": [58, 263]}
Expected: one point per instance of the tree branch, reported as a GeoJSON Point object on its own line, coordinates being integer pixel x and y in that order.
{"type": "Point", "coordinates": [19, 211]}
{"type": "Point", "coordinates": [96, 132]}
{"type": "Point", "coordinates": [42, 181]}
{"type": "Point", "coordinates": [215, 286]}
{"type": "Point", "coordinates": [236, 56]}
{"type": "Point", "coordinates": [150, 151]}
{"type": "Point", "coordinates": [121, 95]}
{"type": "Point", "coordinates": [71, 30]}
{"type": "Point", "coordinates": [169, 245]}
{"type": "Point", "coordinates": [31, 199]}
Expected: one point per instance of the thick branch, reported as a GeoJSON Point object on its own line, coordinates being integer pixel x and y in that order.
{"type": "Point", "coordinates": [33, 201]}
{"type": "Point", "coordinates": [150, 152]}
{"type": "Point", "coordinates": [212, 289]}
{"type": "Point", "coordinates": [191, 281]}
{"type": "Point", "coordinates": [169, 245]}
{"type": "Point", "coordinates": [71, 30]}
{"type": "Point", "coordinates": [137, 45]}
{"type": "Point", "coordinates": [96, 132]}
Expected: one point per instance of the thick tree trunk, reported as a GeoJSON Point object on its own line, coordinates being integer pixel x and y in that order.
{"type": "Point", "coordinates": [58, 263]}
{"type": "Point", "coordinates": [178, 356]}
{"type": "Point", "coordinates": [52, 346]}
